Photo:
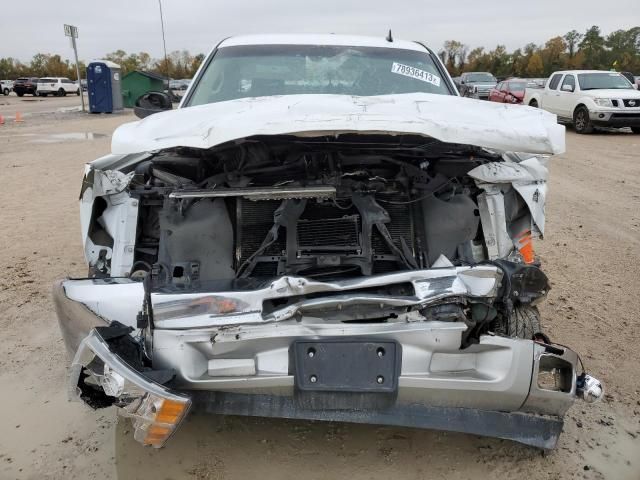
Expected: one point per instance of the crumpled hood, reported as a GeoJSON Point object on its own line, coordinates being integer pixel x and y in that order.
{"type": "Point", "coordinates": [447, 118]}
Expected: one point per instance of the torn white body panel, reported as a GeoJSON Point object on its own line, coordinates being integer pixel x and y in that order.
{"type": "Point", "coordinates": [447, 118]}
{"type": "Point", "coordinates": [528, 178]}
{"type": "Point", "coordinates": [119, 221]}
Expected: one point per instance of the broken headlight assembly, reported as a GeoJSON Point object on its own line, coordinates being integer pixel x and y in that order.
{"type": "Point", "coordinates": [101, 378]}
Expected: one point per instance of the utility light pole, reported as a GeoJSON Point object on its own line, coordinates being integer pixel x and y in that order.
{"type": "Point", "coordinates": [164, 45]}
{"type": "Point", "coordinates": [72, 31]}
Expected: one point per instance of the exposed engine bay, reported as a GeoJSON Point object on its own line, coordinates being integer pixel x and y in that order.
{"type": "Point", "coordinates": [329, 209]}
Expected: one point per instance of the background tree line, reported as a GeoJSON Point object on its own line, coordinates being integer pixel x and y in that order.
{"type": "Point", "coordinates": [179, 64]}
{"type": "Point", "coordinates": [590, 50]}
{"type": "Point", "coordinates": [619, 50]}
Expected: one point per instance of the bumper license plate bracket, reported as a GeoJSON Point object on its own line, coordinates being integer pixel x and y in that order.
{"type": "Point", "coordinates": [346, 365]}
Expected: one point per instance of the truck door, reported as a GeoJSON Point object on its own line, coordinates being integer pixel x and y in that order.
{"type": "Point", "coordinates": [566, 100]}
{"type": "Point", "coordinates": [550, 100]}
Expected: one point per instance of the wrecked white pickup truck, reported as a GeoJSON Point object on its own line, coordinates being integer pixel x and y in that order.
{"type": "Point", "coordinates": [322, 230]}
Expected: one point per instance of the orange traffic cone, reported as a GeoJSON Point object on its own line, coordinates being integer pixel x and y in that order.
{"type": "Point", "coordinates": [18, 118]}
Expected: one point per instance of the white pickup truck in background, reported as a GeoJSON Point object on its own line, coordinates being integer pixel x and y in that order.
{"type": "Point", "coordinates": [588, 99]}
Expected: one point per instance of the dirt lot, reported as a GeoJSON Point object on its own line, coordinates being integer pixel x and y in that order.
{"type": "Point", "coordinates": [29, 105]}
{"type": "Point", "coordinates": [591, 253]}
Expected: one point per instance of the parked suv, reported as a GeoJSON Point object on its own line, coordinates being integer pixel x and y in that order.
{"type": "Point", "coordinates": [477, 84]}
{"type": "Point", "coordinates": [59, 86]}
{"type": "Point", "coordinates": [26, 85]}
{"type": "Point", "coordinates": [6, 86]}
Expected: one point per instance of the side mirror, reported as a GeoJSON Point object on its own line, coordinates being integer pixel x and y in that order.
{"type": "Point", "coordinates": [150, 103]}
{"type": "Point", "coordinates": [567, 88]}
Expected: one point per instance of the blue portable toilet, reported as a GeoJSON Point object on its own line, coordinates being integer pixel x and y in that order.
{"type": "Point", "coordinates": [103, 85]}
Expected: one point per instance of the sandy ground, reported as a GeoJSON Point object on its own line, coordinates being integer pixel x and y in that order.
{"type": "Point", "coordinates": [591, 253]}
{"type": "Point", "coordinates": [28, 105]}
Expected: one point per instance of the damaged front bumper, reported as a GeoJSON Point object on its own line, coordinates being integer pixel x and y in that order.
{"type": "Point", "coordinates": [500, 387]}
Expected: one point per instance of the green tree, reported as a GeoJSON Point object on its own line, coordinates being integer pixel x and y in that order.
{"type": "Point", "coordinates": [553, 55]}
{"type": "Point", "coordinates": [499, 61]}
{"type": "Point", "coordinates": [535, 67]}
{"type": "Point", "coordinates": [573, 39]}
{"type": "Point", "coordinates": [592, 46]}
{"type": "Point", "coordinates": [623, 51]}
{"type": "Point", "coordinates": [454, 56]}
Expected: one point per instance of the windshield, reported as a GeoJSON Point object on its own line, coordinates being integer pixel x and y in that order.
{"type": "Point", "coordinates": [597, 81]}
{"type": "Point", "coordinates": [481, 77]}
{"type": "Point", "coordinates": [266, 70]}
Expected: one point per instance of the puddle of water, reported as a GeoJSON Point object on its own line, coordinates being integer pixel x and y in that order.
{"type": "Point", "coordinates": [57, 137]}
{"type": "Point", "coordinates": [61, 137]}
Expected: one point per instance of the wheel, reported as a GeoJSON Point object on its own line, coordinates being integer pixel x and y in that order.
{"type": "Point", "coordinates": [20, 94]}
{"type": "Point", "coordinates": [533, 103]}
{"type": "Point", "coordinates": [524, 322]}
{"type": "Point", "coordinates": [78, 92]}
{"type": "Point", "coordinates": [5, 92]}
{"type": "Point", "coordinates": [61, 93]}
{"type": "Point", "coordinates": [36, 94]}
{"type": "Point", "coordinates": [581, 120]}
{"type": "Point", "coordinates": [635, 129]}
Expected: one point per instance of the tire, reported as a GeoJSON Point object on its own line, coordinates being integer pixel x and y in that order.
{"type": "Point", "coordinates": [61, 93]}
{"type": "Point", "coordinates": [78, 92]}
{"type": "Point", "coordinates": [524, 322]}
{"type": "Point", "coordinates": [581, 121]}
{"type": "Point", "coordinates": [5, 92]}
{"type": "Point", "coordinates": [44, 94]}
{"type": "Point", "coordinates": [36, 94]}
{"type": "Point", "coordinates": [533, 103]}
{"type": "Point", "coordinates": [20, 94]}
{"type": "Point", "coordinates": [635, 129]}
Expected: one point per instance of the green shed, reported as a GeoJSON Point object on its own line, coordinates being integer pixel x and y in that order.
{"type": "Point", "coordinates": [137, 83]}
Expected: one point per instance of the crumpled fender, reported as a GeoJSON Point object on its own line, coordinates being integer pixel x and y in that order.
{"type": "Point", "coordinates": [528, 178]}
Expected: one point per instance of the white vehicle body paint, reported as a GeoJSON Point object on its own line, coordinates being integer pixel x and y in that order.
{"type": "Point", "coordinates": [529, 179]}
{"type": "Point", "coordinates": [447, 118]}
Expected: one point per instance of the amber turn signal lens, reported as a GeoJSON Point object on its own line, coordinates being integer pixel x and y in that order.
{"type": "Point", "coordinates": [166, 419]}
{"type": "Point", "coordinates": [157, 435]}
{"type": "Point", "coordinates": [170, 411]}
{"type": "Point", "coordinates": [525, 247]}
